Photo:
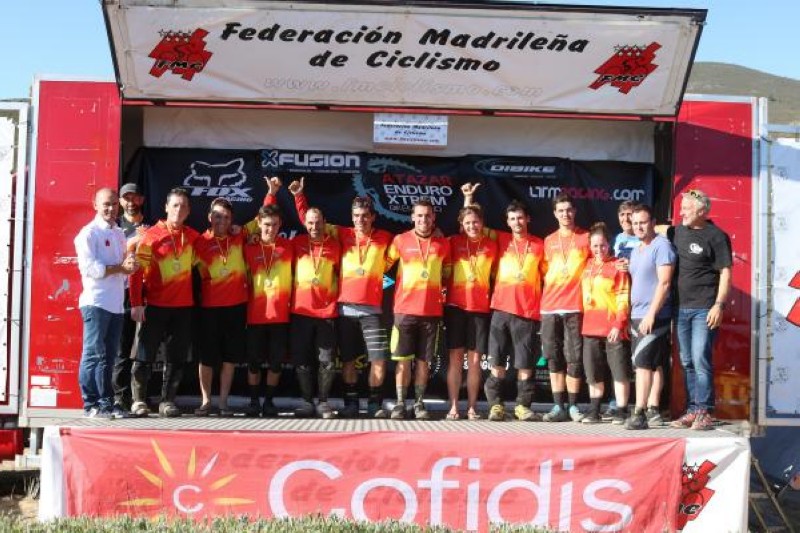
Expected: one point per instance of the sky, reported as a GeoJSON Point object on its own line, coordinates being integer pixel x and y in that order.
{"type": "Point", "coordinates": [68, 37]}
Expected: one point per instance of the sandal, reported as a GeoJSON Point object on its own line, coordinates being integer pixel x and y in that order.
{"type": "Point", "coordinates": [473, 415]}
{"type": "Point", "coordinates": [452, 416]}
{"type": "Point", "coordinates": [203, 410]}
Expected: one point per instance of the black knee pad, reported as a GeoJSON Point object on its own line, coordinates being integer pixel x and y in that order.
{"type": "Point", "coordinates": [555, 366]}
{"type": "Point", "coordinates": [575, 370]}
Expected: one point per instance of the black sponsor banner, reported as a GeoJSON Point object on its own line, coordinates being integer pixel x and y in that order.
{"type": "Point", "coordinates": [394, 182]}
{"type": "Point", "coordinates": [205, 174]}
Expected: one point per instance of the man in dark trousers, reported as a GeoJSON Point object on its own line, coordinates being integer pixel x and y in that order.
{"type": "Point", "coordinates": [133, 226]}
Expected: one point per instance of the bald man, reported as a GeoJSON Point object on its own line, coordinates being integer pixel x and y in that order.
{"type": "Point", "coordinates": [104, 265]}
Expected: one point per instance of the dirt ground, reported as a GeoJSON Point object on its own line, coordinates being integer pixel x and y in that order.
{"type": "Point", "coordinates": [19, 493]}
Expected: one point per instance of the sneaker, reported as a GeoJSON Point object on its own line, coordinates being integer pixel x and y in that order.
{"type": "Point", "coordinates": [556, 414]}
{"type": "Point", "coordinates": [524, 413]}
{"type": "Point", "coordinates": [324, 411]}
{"type": "Point", "coordinates": [497, 413]}
{"type": "Point", "coordinates": [253, 409]}
{"type": "Point", "coordinates": [226, 412]}
{"type": "Point", "coordinates": [420, 413]}
{"type": "Point", "coordinates": [96, 412]}
{"type": "Point", "coordinates": [637, 421]}
{"type": "Point", "coordinates": [119, 411]}
{"type": "Point", "coordinates": [268, 410]}
{"type": "Point", "coordinates": [139, 409]}
{"type": "Point", "coordinates": [703, 422]}
{"type": "Point", "coordinates": [125, 403]}
{"type": "Point", "coordinates": [350, 410]}
{"type": "Point", "coordinates": [654, 417]}
{"type": "Point", "coordinates": [168, 410]}
{"type": "Point", "coordinates": [684, 422]}
{"type": "Point", "coordinates": [376, 410]}
{"type": "Point", "coordinates": [575, 413]}
{"type": "Point", "coordinates": [591, 418]}
{"type": "Point", "coordinates": [203, 410]}
{"type": "Point", "coordinates": [609, 414]}
{"type": "Point", "coordinates": [398, 412]}
{"type": "Point", "coordinates": [305, 410]}
{"type": "Point", "coordinates": [620, 415]}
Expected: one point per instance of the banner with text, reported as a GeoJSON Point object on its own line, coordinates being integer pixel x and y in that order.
{"type": "Point", "coordinates": [394, 182]}
{"type": "Point", "coordinates": [454, 479]}
{"type": "Point", "coordinates": [622, 61]}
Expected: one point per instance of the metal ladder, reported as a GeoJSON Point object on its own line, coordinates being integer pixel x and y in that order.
{"type": "Point", "coordinates": [765, 499]}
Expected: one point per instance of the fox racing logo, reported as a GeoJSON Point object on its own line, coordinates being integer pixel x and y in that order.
{"type": "Point", "coordinates": [223, 179]}
{"type": "Point", "coordinates": [222, 174]}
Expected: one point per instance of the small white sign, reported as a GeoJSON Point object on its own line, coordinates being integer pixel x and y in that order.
{"type": "Point", "coordinates": [43, 397]}
{"type": "Point", "coordinates": [417, 130]}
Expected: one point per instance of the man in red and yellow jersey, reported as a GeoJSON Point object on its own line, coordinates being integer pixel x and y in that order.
{"type": "Point", "coordinates": [219, 258]}
{"type": "Point", "coordinates": [269, 262]}
{"type": "Point", "coordinates": [566, 251]}
{"type": "Point", "coordinates": [516, 300]}
{"type": "Point", "coordinates": [359, 326]}
{"type": "Point", "coordinates": [424, 265]}
{"type": "Point", "coordinates": [466, 314]}
{"type": "Point", "coordinates": [316, 288]}
{"type": "Point", "coordinates": [164, 284]}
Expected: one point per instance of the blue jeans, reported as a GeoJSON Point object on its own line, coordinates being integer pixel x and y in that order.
{"type": "Point", "coordinates": [695, 341]}
{"type": "Point", "coordinates": [101, 334]}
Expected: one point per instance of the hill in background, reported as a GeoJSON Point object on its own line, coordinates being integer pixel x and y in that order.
{"type": "Point", "coordinates": [722, 78]}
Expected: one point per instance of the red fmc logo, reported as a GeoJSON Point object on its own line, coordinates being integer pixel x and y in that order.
{"type": "Point", "coordinates": [627, 68]}
{"type": "Point", "coordinates": [184, 54]}
{"type": "Point", "coordinates": [694, 493]}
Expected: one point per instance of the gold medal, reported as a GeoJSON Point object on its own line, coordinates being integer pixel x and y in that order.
{"type": "Point", "coordinates": [267, 283]}
{"type": "Point", "coordinates": [424, 274]}
{"type": "Point", "coordinates": [315, 281]}
{"type": "Point", "coordinates": [360, 271]}
{"type": "Point", "coordinates": [471, 277]}
{"type": "Point", "coordinates": [565, 272]}
{"type": "Point", "coordinates": [520, 276]}
{"type": "Point", "coordinates": [224, 272]}
{"type": "Point", "coordinates": [588, 301]}
{"type": "Point", "coordinates": [176, 266]}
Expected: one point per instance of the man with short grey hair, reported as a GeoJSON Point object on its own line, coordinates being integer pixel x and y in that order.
{"type": "Point", "coordinates": [703, 279]}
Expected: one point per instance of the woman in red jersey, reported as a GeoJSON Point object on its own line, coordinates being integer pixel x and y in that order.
{"type": "Point", "coordinates": [606, 294]}
{"type": "Point", "coordinates": [467, 311]}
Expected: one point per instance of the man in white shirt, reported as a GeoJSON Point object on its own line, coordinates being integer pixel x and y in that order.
{"type": "Point", "coordinates": [104, 265]}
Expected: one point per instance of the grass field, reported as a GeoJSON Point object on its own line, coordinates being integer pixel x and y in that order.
{"type": "Point", "coordinates": [14, 524]}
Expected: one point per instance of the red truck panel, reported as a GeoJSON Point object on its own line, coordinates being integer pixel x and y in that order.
{"type": "Point", "coordinates": [714, 152]}
{"type": "Point", "coordinates": [77, 151]}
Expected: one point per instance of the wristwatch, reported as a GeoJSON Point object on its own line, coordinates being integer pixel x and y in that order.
{"type": "Point", "coordinates": [720, 304]}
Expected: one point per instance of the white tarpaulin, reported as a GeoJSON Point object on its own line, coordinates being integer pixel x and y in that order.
{"type": "Point", "coordinates": [587, 140]}
{"type": "Point", "coordinates": [783, 370]}
{"type": "Point", "coordinates": [715, 484]}
{"type": "Point", "coordinates": [533, 58]}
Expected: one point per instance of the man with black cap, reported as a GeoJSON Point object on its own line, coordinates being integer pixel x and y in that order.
{"type": "Point", "coordinates": [132, 223]}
